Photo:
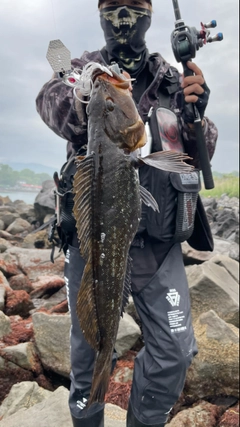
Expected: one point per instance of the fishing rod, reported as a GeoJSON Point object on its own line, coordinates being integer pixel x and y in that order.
{"type": "Point", "coordinates": [186, 41]}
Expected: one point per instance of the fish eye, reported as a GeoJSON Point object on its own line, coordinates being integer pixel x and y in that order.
{"type": "Point", "coordinates": [109, 104]}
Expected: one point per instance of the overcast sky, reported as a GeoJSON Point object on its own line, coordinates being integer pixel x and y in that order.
{"type": "Point", "coordinates": [27, 26]}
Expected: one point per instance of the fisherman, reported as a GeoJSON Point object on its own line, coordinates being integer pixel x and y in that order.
{"type": "Point", "coordinates": [159, 284]}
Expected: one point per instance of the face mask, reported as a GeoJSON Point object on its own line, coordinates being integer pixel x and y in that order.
{"type": "Point", "coordinates": [124, 31]}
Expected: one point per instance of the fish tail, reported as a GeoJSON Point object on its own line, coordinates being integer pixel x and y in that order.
{"type": "Point", "coordinates": [101, 377]}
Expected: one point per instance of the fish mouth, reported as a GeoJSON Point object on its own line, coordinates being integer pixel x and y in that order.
{"type": "Point", "coordinates": [120, 81]}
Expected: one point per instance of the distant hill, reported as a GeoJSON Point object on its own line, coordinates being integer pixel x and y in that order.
{"type": "Point", "coordinates": [35, 167]}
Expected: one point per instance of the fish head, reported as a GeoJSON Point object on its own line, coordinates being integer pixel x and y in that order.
{"type": "Point", "coordinates": [112, 107]}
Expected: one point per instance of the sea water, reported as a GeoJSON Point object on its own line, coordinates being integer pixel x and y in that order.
{"type": "Point", "coordinates": [25, 196]}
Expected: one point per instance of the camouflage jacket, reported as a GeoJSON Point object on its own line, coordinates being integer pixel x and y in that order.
{"type": "Point", "coordinates": [55, 104]}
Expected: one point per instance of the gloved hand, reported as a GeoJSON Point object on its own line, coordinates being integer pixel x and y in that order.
{"type": "Point", "coordinates": [195, 90]}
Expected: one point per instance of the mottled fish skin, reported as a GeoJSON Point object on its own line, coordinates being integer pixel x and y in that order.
{"type": "Point", "coordinates": [107, 209]}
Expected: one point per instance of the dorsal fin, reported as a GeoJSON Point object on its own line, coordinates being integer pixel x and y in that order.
{"type": "Point", "coordinates": [86, 303]}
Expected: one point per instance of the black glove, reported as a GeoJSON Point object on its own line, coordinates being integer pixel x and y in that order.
{"type": "Point", "coordinates": [201, 105]}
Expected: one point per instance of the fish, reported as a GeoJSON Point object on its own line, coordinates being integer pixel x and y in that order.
{"type": "Point", "coordinates": [107, 209]}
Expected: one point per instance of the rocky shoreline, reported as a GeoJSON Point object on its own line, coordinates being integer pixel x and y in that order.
{"type": "Point", "coordinates": [34, 325]}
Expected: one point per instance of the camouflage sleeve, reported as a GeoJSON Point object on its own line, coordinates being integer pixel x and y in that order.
{"type": "Point", "coordinates": [55, 104]}
{"type": "Point", "coordinates": [211, 134]}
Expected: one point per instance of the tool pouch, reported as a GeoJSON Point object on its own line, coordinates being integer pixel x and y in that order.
{"type": "Point", "coordinates": [188, 186]}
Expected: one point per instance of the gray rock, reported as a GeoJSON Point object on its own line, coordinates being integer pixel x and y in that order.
{"type": "Point", "coordinates": [221, 247]}
{"type": "Point", "coordinates": [234, 252]}
{"type": "Point", "coordinates": [3, 281]}
{"type": "Point", "coordinates": [114, 416]}
{"type": "Point", "coordinates": [7, 208]}
{"type": "Point", "coordinates": [228, 202]}
{"type": "Point", "coordinates": [37, 240]}
{"type": "Point", "coordinates": [5, 324]}
{"type": "Point", "coordinates": [51, 334]}
{"type": "Point", "coordinates": [131, 309]}
{"type": "Point", "coordinates": [5, 364]}
{"type": "Point", "coordinates": [9, 217]}
{"type": "Point", "coordinates": [20, 282]}
{"type": "Point", "coordinates": [226, 248]}
{"type": "Point", "coordinates": [50, 412]}
{"type": "Point", "coordinates": [219, 330]}
{"type": "Point", "coordinates": [229, 264]}
{"type": "Point", "coordinates": [128, 334]}
{"type": "Point", "coordinates": [4, 244]}
{"type": "Point", "coordinates": [215, 369]}
{"type": "Point", "coordinates": [35, 262]}
{"type": "Point", "coordinates": [204, 414]}
{"type": "Point", "coordinates": [2, 299]}
{"type": "Point", "coordinates": [23, 355]}
{"type": "Point", "coordinates": [123, 375]}
{"type": "Point", "coordinates": [18, 226]}
{"type": "Point", "coordinates": [8, 236]}
{"type": "Point", "coordinates": [2, 225]}
{"type": "Point", "coordinates": [53, 411]}
{"type": "Point", "coordinates": [24, 210]}
{"type": "Point", "coordinates": [55, 299]}
{"type": "Point", "coordinates": [23, 395]}
{"type": "Point", "coordinates": [213, 288]}
{"type": "Point", "coordinates": [45, 203]}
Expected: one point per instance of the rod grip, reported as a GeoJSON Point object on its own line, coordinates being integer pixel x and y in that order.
{"type": "Point", "coordinates": [201, 143]}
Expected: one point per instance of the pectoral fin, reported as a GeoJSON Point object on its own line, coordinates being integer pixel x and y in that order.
{"type": "Point", "coordinates": [170, 161]}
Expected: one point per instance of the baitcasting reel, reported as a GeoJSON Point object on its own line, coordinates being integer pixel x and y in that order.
{"type": "Point", "coordinates": [186, 41]}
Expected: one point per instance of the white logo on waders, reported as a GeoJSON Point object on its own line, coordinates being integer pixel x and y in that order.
{"type": "Point", "coordinates": [82, 403]}
{"type": "Point", "coordinates": [173, 298]}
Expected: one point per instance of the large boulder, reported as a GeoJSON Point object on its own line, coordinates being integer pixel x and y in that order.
{"type": "Point", "coordinates": [215, 369]}
{"type": "Point", "coordinates": [31, 407]}
{"type": "Point", "coordinates": [213, 288]}
{"type": "Point", "coordinates": [8, 217]}
{"type": "Point", "coordinates": [23, 355]}
{"type": "Point", "coordinates": [45, 201]}
{"type": "Point", "coordinates": [229, 264]}
{"type": "Point", "coordinates": [19, 226]}
{"type": "Point", "coordinates": [51, 335]}
{"type": "Point", "coordinates": [52, 411]}
{"type": "Point", "coordinates": [128, 334]}
{"type": "Point", "coordinates": [35, 262]}
{"type": "Point", "coordinates": [202, 415]}
{"type": "Point", "coordinates": [221, 247]}
{"type": "Point", "coordinates": [22, 396]}
{"type": "Point", "coordinates": [10, 374]}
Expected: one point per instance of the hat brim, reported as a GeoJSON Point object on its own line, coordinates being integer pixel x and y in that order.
{"type": "Point", "coordinates": [101, 1]}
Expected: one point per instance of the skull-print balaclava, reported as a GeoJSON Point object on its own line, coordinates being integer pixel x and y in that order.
{"type": "Point", "coordinates": [124, 30]}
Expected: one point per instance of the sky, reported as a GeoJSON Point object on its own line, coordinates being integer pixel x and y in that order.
{"type": "Point", "coordinates": [26, 28]}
